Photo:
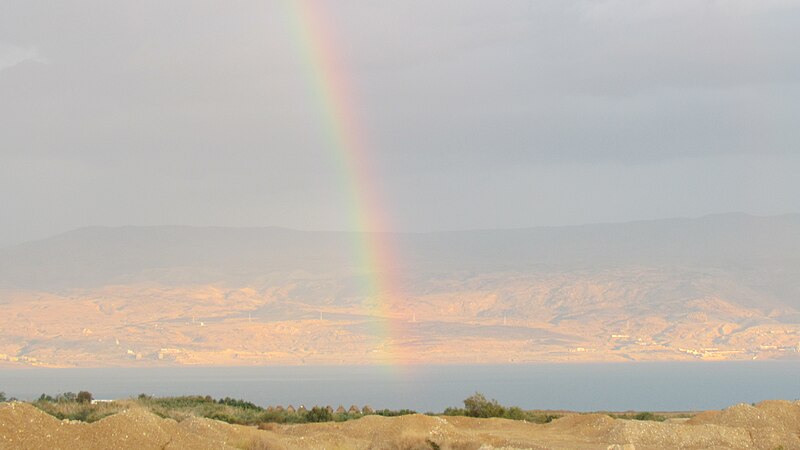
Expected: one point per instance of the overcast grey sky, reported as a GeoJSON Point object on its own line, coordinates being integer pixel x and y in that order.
{"type": "Point", "coordinates": [480, 114]}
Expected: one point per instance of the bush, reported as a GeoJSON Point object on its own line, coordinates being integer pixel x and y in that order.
{"type": "Point", "coordinates": [640, 416]}
{"type": "Point", "coordinates": [394, 412]}
{"type": "Point", "coordinates": [236, 411]}
{"type": "Point", "coordinates": [237, 403]}
{"type": "Point", "coordinates": [455, 411]}
{"type": "Point", "coordinates": [84, 397]}
{"type": "Point", "coordinates": [85, 412]}
{"type": "Point", "coordinates": [542, 418]}
{"type": "Point", "coordinates": [186, 401]}
{"type": "Point", "coordinates": [434, 445]}
{"type": "Point", "coordinates": [228, 409]}
{"type": "Point", "coordinates": [3, 397]}
{"type": "Point", "coordinates": [649, 416]}
{"type": "Point", "coordinates": [66, 397]}
{"type": "Point", "coordinates": [273, 416]}
{"type": "Point", "coordinates": [515, 413]}
{"type": "Point", "coordinates": [224, 417]}
{"type": "Point", "coordinates": [318, 414]}
{"type": "Point", "coordinates": [478, 406]}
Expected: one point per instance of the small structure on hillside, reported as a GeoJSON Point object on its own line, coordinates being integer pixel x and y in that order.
{"type": "Point", "coordinates": [329, 408]}
{"type": "Point", "coordinates": [367, 410]}
{"type": "Point", "coordinates": [301, 409]}
{"type": "Point", "coordinates": [341, 410]}
{"type": "Point", "coordinates": [290, 409]}
{"type": "Point", "coordinates": [354, 410]}
{"type": "Point", "coordinates": [279, 408]}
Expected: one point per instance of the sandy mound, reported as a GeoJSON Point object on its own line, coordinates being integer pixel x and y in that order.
{"type": "Point", "coordinates": [376, 432]}
{"type": "Point", "coordinates": [771, 413]}
{"type": "Point", "coordinates": [24, 426]}
{"type": "Point", "coordinates": [771, 423]}
{"type": "Point", "coordinates": [646, 434]}
{"type": "Point", "coordinates": [585, 424]}
{"type": "Point", "coordinates": [767, 426]}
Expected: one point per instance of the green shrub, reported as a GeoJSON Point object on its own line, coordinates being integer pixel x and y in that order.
{"type": "Point", "coordinates": [479, 406]}
{"type": "Point", "coordinates": [273, 416]}
{"type": "Point", "coordinates": [66, 397]}
{"type": "Point", "coordinates": [318, 414]}
{"type": "Point", "coordinates": [434, 445]}
{"type": "Point", "coordinates": [542, 418]}
{"type": "Point", "coordinates": [235, 402]}
{"type": "Point", "coordinates": [224, 417]}
{"type": "Point", "coordinates": [455, 411]}
{"type": "Point", "coordinates": [649, 416]}
{"type": "Point", "coordinates": [640, 416]}
{"type": "Point", "coordinates": [236, 411]}
{"type": "Point", "coordinates": [84, 412]}
{"type": "Point", "coordinates": [394, 412]}
{"type": "Point", "coordinates": [515, 413]}
{"type": "Point", "coordinates": [182, 401]}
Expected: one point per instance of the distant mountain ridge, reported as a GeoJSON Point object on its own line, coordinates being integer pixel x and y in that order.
{"type": "Point", "coordinates": [102, 255]}
{"type": "Point", "coordinates": [718, 287]}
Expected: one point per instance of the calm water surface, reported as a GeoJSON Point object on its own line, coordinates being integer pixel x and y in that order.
{"type": "Point", "coordinates": [580, 387]}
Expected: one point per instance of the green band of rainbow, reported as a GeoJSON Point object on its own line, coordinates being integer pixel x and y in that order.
{"type": "Point", "coordinates": [346, 136]}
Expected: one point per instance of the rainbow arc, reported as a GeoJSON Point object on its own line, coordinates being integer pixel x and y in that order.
{"type": "Point", "coordinates": [348, 141]}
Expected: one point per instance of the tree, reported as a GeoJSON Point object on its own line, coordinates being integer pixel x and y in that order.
{"type": "Point", "coordinates": [2, 397]}
{"type": "Point", "coordinates": [84, 397]}
{"type": "Point", "coordinates": [479, 406]}
{"type": "Point", "coordinates": [66, 397]}
{"type": "Point", "coordinates": [319, 414]}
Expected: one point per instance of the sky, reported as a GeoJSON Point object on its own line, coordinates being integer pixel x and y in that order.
{"type": "Point", "coordinates": [475, 114]}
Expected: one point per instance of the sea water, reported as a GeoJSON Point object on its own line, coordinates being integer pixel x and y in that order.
{"type": "Point", "coordinates": [668, 386]}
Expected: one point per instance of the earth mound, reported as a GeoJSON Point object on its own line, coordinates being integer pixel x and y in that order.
{"type": "Point", "coordinates": [767, 425]}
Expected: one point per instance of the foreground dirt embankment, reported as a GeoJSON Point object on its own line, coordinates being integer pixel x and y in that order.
{"type": "Point", "coordinates": [768, 425]}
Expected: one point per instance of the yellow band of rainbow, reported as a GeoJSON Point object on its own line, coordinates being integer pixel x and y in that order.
{"type": "Point", "coordinates": [346, 135]}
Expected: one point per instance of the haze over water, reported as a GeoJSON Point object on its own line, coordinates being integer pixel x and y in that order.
{"type": "Point", "coordinates": [672, 386]}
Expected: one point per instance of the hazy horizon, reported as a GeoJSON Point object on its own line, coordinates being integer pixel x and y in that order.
{"type": "Point", "coordinates": [432, 231]}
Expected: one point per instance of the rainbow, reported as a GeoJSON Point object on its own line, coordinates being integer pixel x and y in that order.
{"type": "Point", "coordinates": [347, 137]}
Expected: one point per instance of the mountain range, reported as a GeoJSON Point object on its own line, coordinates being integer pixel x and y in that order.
{"type": "Point", "coordinates": [717, 287]}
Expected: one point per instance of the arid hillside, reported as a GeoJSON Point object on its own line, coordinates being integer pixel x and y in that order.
{"type": "Point", "coordinates": [720, 287]}
{"type": "Point", "coordinates": [768, 425]}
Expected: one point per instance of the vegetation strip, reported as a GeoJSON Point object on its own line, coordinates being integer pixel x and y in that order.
{"type": "Point", "coordinates": [82, 407]}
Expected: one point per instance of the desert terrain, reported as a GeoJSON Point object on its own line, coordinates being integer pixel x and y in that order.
{"type": "Point", "coordinates": [768, 425]}
{"type": "Point", "coordinates": [717, 288]}
{"type": "Point", "coordinates": [497, 318]}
